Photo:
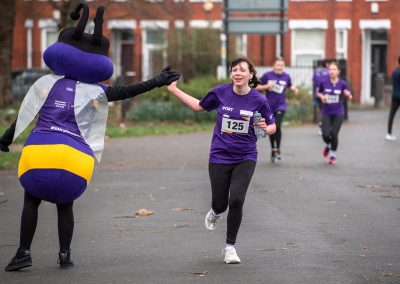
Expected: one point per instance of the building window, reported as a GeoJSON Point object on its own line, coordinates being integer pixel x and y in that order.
{"type": "Point", "coordinates": [308, 45]}
{"type": "Point", "coordinates": [341, 44]}
{"type": "Point", "coordinates": [49, 35]}
{"type": "Point", "coordinates": [154, 52]}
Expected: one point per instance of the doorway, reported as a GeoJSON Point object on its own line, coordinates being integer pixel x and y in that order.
{"type": "Point", "coordinates": [374, 63]}
{"type": "Point", "coordinates": [378, 59]}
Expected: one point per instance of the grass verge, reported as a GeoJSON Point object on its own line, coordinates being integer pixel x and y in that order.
{"type": "Point", "coordinates": [9, 160]}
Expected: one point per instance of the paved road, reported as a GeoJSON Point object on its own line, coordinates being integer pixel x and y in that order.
{"type": "Point", "coordinates": [304, 221]}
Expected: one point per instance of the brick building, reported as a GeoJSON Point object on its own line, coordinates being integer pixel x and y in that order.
{"type": "Point", "coordinates": [364, 32]}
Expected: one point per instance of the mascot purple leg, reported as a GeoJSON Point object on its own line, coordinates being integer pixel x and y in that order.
{"type": "Point", "coordinates": [58, 158]}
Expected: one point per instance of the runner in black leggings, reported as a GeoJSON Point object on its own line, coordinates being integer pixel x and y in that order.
{"type": "Point", "coordinates": [332, 92]}
{"type": "Point", "coordinates": [395, 101]}
{"type": "Point", "coordinates": [276, 83]}
{"type": "Point", "coordinates": [233, 148]}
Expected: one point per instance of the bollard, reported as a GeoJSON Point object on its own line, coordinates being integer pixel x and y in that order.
{"type": "Point", "coordinates": [379, 89]}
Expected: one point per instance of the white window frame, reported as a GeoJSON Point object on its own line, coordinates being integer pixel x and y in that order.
{"type": "Point", "coordinates": [46, 26]}
{"type": "Point", "coordinates": [366, 26]}
{"type": "Point", "coordinates": [29, 47]}
{"type": "Point", "coordinates": [342, 49]}
{"type": "Point", "coordinates": [297, 52]}
{"type": "Point", "coordinates": [342, 26]}
{"type": "Point", "coordinates": [147, 25]}
{"type": "Point", "coordinates": [312, 24]}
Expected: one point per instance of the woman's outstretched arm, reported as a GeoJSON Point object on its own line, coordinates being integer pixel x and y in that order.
{"type": "Point", "coordinates": [187, 99]}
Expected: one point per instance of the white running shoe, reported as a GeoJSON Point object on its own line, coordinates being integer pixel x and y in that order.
{"type": "Point", "coordinates": [211, 220]}
{"type": "Point", "coordinates": [230, 255]}
{"type": "Point", "coordinates": [390, 137]}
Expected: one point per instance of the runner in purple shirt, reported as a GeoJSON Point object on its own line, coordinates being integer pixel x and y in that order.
{"type": "Point", "coordinates": [332, 92]}
{"type": "Point", "coordinates": [233, 152]}
{"type": "Point", "coordinates": [275, 83]}
{"type": "Point", "coordinates": [321, 74]}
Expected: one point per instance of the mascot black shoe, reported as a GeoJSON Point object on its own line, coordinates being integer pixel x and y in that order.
{"type": "Point", "coordinates": [71, 106]}
{"type": "Point", "coordinates": [64, 259]}
{"type": "Point", "coordinates": [21, 260]}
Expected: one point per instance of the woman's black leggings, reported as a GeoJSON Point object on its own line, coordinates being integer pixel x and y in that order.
{"type": "Point", "coordinates": [29, 221]}
{"type": "Point", "coordinates": [275, 139]}
{"type": "Point", "coordinates": [229, 183]}
{"type": "Point", "coordinates": [330, 129]}
{"type": "Point", "coordinates": [393, 110]}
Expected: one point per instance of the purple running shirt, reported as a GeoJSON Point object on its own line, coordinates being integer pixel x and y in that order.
{"type": "Point", "coordinates": [57, 113]}
{"type": "Point", "coordinates": [277, 97]}
{"type": "Point", "coordinates": [234, 140]}
{"type": "Point", "coordinates": [334, 94]}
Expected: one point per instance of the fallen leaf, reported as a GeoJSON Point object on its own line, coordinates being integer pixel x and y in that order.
{"type": "Point", "coordinates": [144, 212]}
{"type": "Point", "coordinates": [181, 226]}
{"type": "Point", "coordinates": [182, 209]}
{"type": "Point", "coordinates": [127, 217]}
{"type": "Point", "coordinates": [7, 245]}
{"type": "Point", "coordinates": [391, 274]}
{"type": "Point", "coordinates": [369, 186]}
{"type": "Point", "coordinates": [202, 273]}
{"type": "Point", "coordinates": [266, 249]}
{"type": "Point", "coordinates": [389, 196]}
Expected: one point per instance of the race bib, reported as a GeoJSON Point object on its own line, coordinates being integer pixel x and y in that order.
{"type": "Point", "coordinates": [278, 88]}
{"type": "Point", "coordinates": [330, 99]}
{"type": "Point", "coordinates": [234, 125]}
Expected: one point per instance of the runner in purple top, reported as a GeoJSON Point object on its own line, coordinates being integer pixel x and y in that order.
{"type": "Point", "coordinates": [321, 74]}
{"type": "Point", "coordinates": [332, 92]}
{"type": "Point", "coordinates": [276, 82]}
{"type": "Point", "coordinates": [233, 152]}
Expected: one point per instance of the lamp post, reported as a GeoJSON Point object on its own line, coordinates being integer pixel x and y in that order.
{"type": "Point", "coordinates": [225, 38]}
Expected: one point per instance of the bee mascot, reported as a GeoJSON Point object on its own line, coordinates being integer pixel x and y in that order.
{"type": "Point", "coordinates": [71, 106]}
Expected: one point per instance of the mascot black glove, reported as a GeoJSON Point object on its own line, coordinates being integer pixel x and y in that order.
{"type": "Point", "coordinates": [4, 148]}
{"type": "Point", "coordinates": [173, 76]}
{"type": "Point", "coordinates": [7, 138]}
{"type": "Point", "coordinates": [166, 77]}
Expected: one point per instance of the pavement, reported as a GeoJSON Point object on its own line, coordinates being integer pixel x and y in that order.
{"type": "Point", "coordinates": [304, 221]}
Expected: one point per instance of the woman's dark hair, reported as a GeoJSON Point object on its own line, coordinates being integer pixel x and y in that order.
{"type": "Point", "coordinates": [335, 63]}
{"type": "Point", "coordinates": [253, 81]}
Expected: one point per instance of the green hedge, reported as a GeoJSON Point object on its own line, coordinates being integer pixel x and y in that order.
{"type": "Point", "coordinates": [159, 105]}
{"type": "Point", "coordinates": [300, 107]}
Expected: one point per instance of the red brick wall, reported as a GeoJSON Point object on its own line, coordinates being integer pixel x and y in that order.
{"type": "Point", "coordinates": [261, 50]}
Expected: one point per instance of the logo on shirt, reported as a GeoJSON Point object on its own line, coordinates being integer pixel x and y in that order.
{"type": "Point", "coordinates": [60, 104]}
{"type": "Point", "coordinates": [69, 89]}
{"type": "Point", "coordinates": [227, 108]}
{"type": "Point", "coordinates": [246, 113]}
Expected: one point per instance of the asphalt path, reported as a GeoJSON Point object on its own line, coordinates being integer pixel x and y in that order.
{"type": "Point", "coordinates": [304, 221]}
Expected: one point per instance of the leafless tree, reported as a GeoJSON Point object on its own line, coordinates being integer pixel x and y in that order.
{"type": "Point", "coordinates": [7, 16]}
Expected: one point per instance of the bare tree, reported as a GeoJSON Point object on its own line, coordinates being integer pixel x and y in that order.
{"type": "Point", "coordinates": [7, 15]}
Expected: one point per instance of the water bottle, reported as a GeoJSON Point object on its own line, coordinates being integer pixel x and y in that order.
{"type": "Point", "coordinates": [258, 131]}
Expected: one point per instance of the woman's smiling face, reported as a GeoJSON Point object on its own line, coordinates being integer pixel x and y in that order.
{"type": "Point", "coordinates": [240, 74]}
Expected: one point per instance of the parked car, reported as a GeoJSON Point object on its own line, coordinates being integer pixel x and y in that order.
{"type": "Point", "coordinates": [23, 80]}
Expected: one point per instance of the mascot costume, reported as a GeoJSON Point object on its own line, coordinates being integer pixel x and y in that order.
{"type": "Point", "coordinates": [71, 106]}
